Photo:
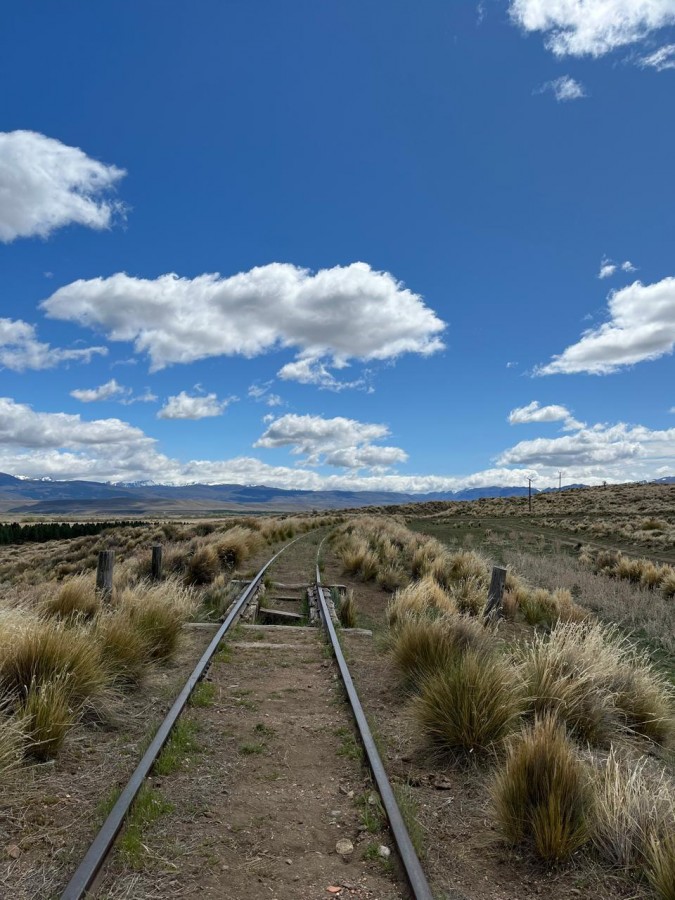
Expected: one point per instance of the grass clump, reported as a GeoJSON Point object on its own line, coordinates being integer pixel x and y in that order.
{"type": "Point", "coordinates": [346, 610]}
{"type": "Point", "coordinates": [177, 750]}
{"type": "Point", "coordinates": [46, 652]}
{"type": "Point", "coordinates": [423, 598]}
{"type": "Point", "coordinates": [661, 866]}
{"type": "Point", "coordinates": [470, 704]}
{"type": "Point", "coordinates": [46, 716]}
{"type": "Point", "coordinates": [124, 649]}
{"type": "Point", "coordinates": [421, 647]}
{"type": "Point", "coordinates": [203, 565]}
{"type": "Point", "coordinates": [158, 612]}
{"type": "Point", "coordinates": [76, 599]}
{"type": "Point", "coordinates": [148, 807]}
{"type": "Point", "coordinates": [542, 795]}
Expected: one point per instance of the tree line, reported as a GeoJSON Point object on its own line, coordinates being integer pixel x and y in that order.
{"type": "Point", "coordinates": [14, 533]}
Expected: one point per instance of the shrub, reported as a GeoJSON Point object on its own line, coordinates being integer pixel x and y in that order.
{"type": "Point", "coordinates": [470, 704]}
{"type": "Point", "coordinates": [47, 652]}
{"type": "Point", "coordinates": [76, 598]}
{"type": "Point", "coordinates": [542, 795]}
{"type": "Point", "coordinates": [47, 717]}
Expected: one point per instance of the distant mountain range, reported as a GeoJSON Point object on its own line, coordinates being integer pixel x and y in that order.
{"type": "Point", "coordinates": [22, 496]}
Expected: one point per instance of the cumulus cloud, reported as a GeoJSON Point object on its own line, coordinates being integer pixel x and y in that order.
{"type": "Point", "coordinates": [592, 27]}
{"type": "Point", "coordinates": [329, 317]}
{"type": "Point", "coordinates": [45, 185]}
{"type": "Point", "coordinates": [596, 448]}
{"type": "Point", "coordinates": [661, 59]}
{"type": "Point", "coordinates": [534, 412]}
{"type": "Point", "coordinates": [563, 89]}
{"type": "Point", "coordinates": [111, 390]}
{"type": "Point", "coordinates": [334, 442]}
{"type": "Point", "coordinates": [641, 327]}
{"type": "Point", "coordinates": [20, 349]}
{"type": "Point", "coordinates": [199, 406]}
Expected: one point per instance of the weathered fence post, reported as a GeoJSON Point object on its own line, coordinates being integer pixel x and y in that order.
{"type": "Point", "coordinates": [496, 592]}
{"type": "Point", "coordinates": [104, 573]}
{"type": "Point", "coordinates": [156, 571]}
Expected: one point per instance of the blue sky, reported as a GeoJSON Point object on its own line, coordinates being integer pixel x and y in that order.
{"type": "Point", "coordinates": [348, 245]}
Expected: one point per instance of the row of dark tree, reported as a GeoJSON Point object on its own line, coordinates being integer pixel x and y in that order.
{"type": "Point", "coordinates": [14, 533]}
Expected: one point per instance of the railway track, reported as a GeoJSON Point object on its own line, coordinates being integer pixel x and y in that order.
{"type": "Point", "coordinates": [87, 876]}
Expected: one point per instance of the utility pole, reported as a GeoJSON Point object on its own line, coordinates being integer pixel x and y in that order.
{"type": "Point", "coordinates": [529, 493]}
{"type": "Point", "coordinates": [560, 481]}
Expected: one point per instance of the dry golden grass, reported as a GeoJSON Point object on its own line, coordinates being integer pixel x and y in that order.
{"type": "Point", "coordinates": [422, 646]}
{"type": "Point", "coordinates": [124, 647]}
{"type": "Point", "coordinates": [471, 702]}
{"type": "Point", "coordinates": [661, 866]}
{"type": "Point", "coordinates": [424, 598]}
{"type": "Point", "coordinates": [347, 611]}
{"type": "Point", "coordinates": [158, 613]}
{"type": "Point", "coordinates": [47, 715]}
{"type": "Point", "coordinates": [542, 795]}
{"type": "Point", "coordinates": [76, 599]}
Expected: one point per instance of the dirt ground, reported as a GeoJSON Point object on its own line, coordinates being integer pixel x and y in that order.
{"type": "Point", "coordinates": [274, 782]}
{"type": "Point", "coordinates": [464, 855]}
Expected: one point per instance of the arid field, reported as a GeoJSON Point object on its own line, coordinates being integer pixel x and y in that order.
{"type": "Point", "coordinates": [530, 751]}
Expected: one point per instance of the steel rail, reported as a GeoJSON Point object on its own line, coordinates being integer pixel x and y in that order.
{"type": "Point", "coordinates": [98, 851]}
{"type": "Point", "coordinates": [411, 864]}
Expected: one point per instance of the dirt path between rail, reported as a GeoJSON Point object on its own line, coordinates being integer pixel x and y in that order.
{"type": "Point", "coordinates": [274, 783]}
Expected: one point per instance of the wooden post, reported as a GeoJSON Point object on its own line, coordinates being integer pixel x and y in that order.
{"type": "Point", "coordinates": [104, 573]}
{"type": "Point", "coordinates": [156, 572]}
{"type": "Point", "coordinates": [496, 592]}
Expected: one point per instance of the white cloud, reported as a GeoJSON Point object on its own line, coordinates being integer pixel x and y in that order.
{"type": "Point", "coordinates": [608, 267]}
{"type": "Point", "coordinates": [592, 27]}
{"type": "Point", "coordinates": [260, 393]}
{"type": "Point", "coordinates": [45, 185]}
{"type": "Point", "coordinates": [61, 446]}
{"type": "Point", "coordinates": [111, 390]}
{"type": "Point", "coordinates": [641, 327]}
{"type": "Point", "coordinates": [611, 449]}
{"type": "Point", "coordinates": [563, 89]}
{"type": "Point", "coordinates": [661, 59]}
{"type": "Point", "coordinates": [186, 406]}
{"type": "Point", "coordinates": [334, 442]}
{"type": "Point", "coordinates": [347, 312]}
{"type": "Point", "coordinates": [534, 412]}
{"type": "Point", "coordinates": [146, 397]}
{"type": "Point", "coordinates": [21, 350]}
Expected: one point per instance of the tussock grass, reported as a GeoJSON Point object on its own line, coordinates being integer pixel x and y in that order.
{"type": "Point", "coordinates": [661, 866]}
{"type": "Point", "coordinates": [47, 716]}
{"type": "Point", "coordinates": [632, 805]}
{"type": "Point", "coordinates": [424, 598]}
{"type": "Point", "coordinates": [598, 684]}
{"type": "Point", "coordinates": [11, 746]}
{"type": "Point", "coordinates": [76, 599]}
{"type": "Point", "coordinates": [236, 545]}
{"type": "Point", "coordinates": [203, 565]}
{"type": "Point", "coordinates": [46, 652]}
{"type": "Point", "coordinates": [469, 705]}
{"type": "Point", "coordinates": [542, 794]}
{"type": "Point", "coordinates": [158, 613]}
{"type": "Point", "coordinates": [470, 595]}
{"type": "Point", "coordinates": [124, 648]}
{"type": "Point", "coordinates": [347, 611]}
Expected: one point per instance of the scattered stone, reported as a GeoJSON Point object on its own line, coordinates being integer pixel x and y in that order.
{"type": "Point", "coordinates": [344, 847]}
{"type": "Point", "coordinates": [289, 862]}
{"type": "Point", "coordinates": [14, 851]}
{"type": "Point", "coordinates": [383, 851]}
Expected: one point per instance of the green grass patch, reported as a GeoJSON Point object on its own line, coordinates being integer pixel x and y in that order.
{"type": "Point", "coordinates": [252, 749]}
{"type": "Point", "coordinates": [203, 695]}
{"type": "Point", "coordinates": [149, 806]}
{"type": "Point", "coordinates": [178, 749]}
{"type": "Point", "coordinates": [349, 745]}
